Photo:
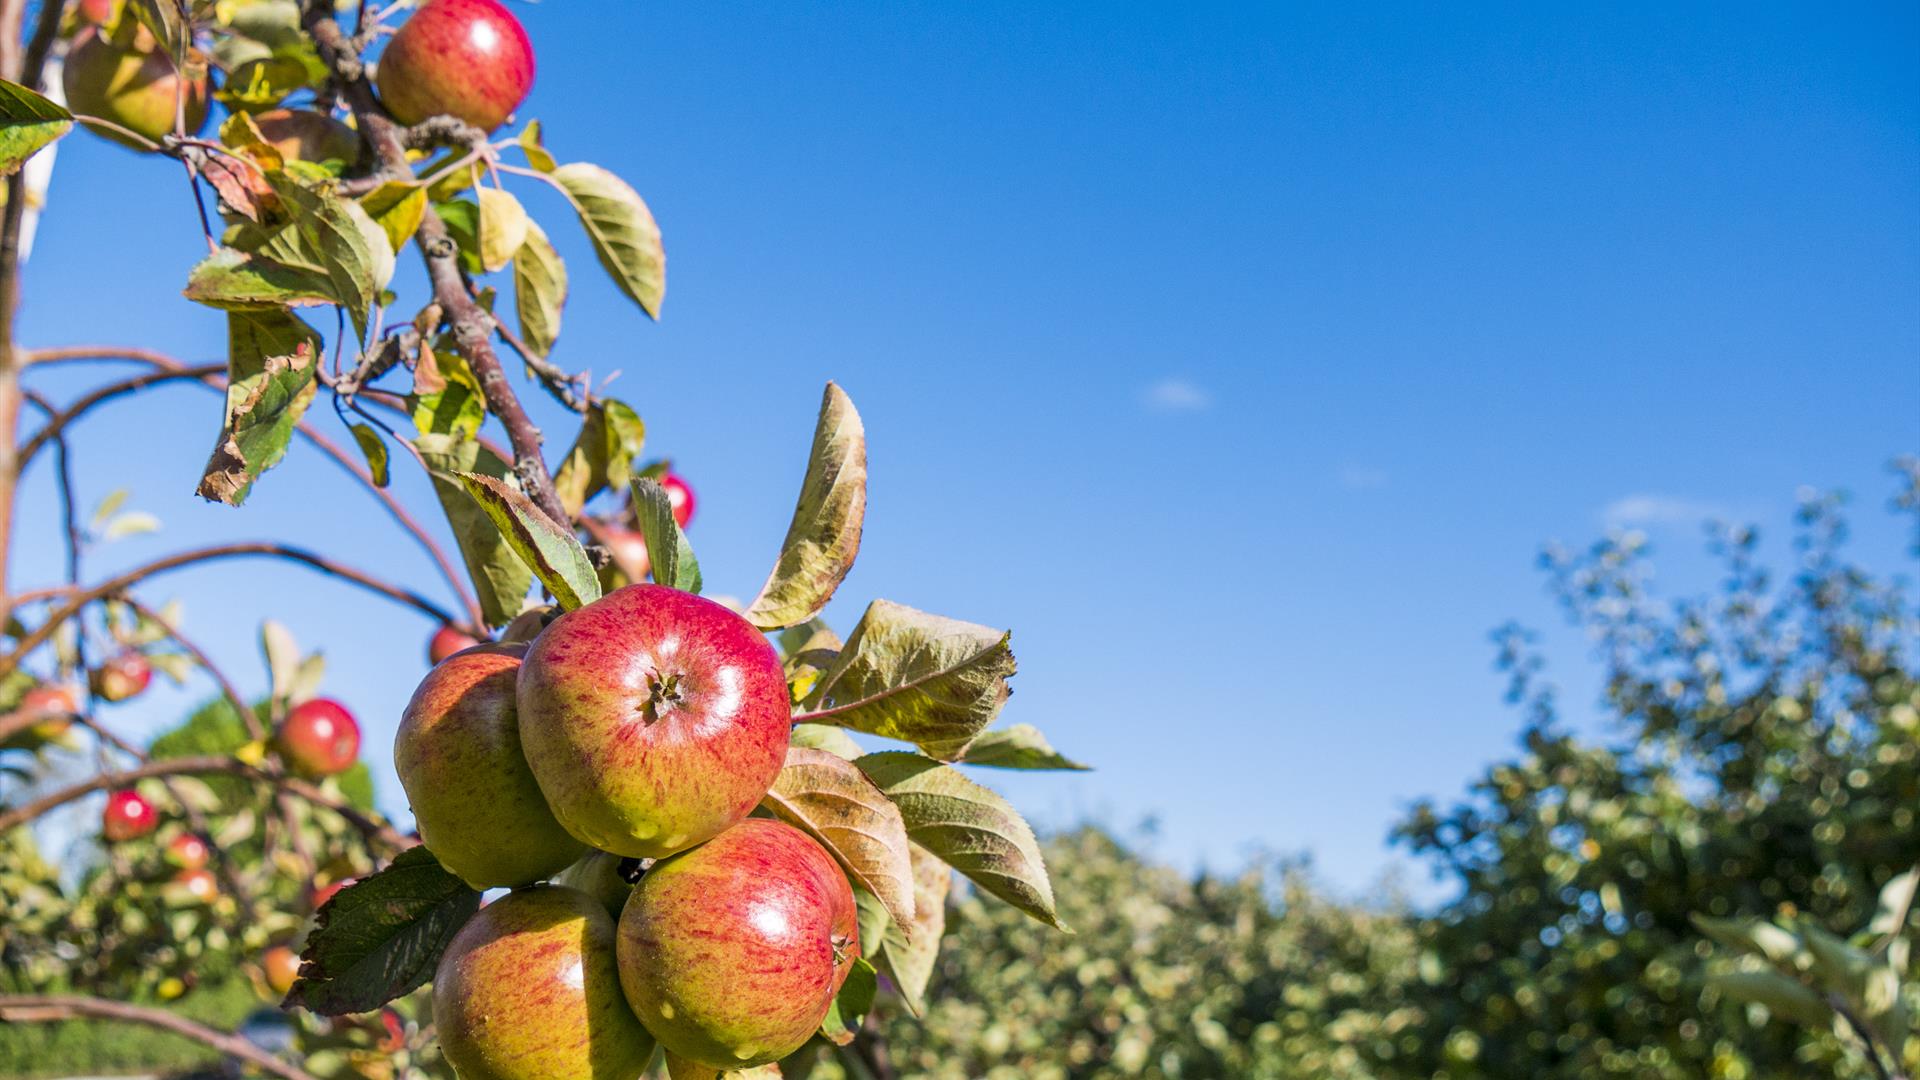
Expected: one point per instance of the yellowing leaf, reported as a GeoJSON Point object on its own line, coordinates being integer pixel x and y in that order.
{"type": "Point", "coordinates": [835, 803]}
{"type": "Point", "coordinates": [824, 535]}
{"type": "Point", "coordinates": [503, 228]}
{"type": "Point", "coordinates": [622, 229]}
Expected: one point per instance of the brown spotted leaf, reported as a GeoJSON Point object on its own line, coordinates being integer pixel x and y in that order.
{"type": "Point", "coordinates": [272, 360]}
{"type": "Point", "coordinates": [836, 804]}
{"type": "Point", "coordinates": [824, 536]}
{"type": "Point", "coordinates": [553, 553]}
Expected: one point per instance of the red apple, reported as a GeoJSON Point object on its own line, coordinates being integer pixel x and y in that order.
{"type": "Point", "coordinates": [318, 738]}
{"type": "Point", "coordinates": [306, 135]}
{"type": "Point", "coordinates": [458, 756]}
{"type": "Point", "coordinates": [629, 551]}
{"type": "Point", "coordinates": [122, 677]}
{"type": "Point", "coordinates": [128, 816]}
{"type": "Point", "coordinates": [132, 87]}
{"type": "Point", "coordinates": [679, 496]}
{"type": "Point", "coordinates": [56, 704]}
{"type": "Point", "coordinates": [198, 884]}
{"type": "Point", "coordinates": [97, 12]}
{"type": "Point", "coordinates": [467, 58]}
{"type": "Point", "coordinates": [731, 953]}
{"type": "Point", "coordinates": [446, 641]}
{"type": "Point", "coordinates": [319, 894]}
{"type": "Point", "coordinates": [188, 851]}
{"type": "Point", "coordinates": [282, 966]}
{"type": "Point", "coordinates": [652, 719]}
{"type": "Point", "coordinates": [529, 990]}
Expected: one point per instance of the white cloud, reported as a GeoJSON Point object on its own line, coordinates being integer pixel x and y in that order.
{"type": "Point", "coordinates": [1648, 509]}
{"type": "Point", "coordinates": [1176, 395]}
{"type": "Point", "coordinates": [1362, 477]}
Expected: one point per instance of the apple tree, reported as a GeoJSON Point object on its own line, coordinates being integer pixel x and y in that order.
{"type": "Point", "coordinates": [698, 860]}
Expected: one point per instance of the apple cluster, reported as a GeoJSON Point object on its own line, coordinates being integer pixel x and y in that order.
{"type": "Point", "coordinates": [637, 732]}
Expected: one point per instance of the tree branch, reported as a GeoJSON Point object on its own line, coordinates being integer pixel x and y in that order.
{"type": "Point", "coordinates": [52, 1008]}
{"type": "Point", "coordinates": [198, 766]}
{"type": "Point", "coordinates": [117, 585]}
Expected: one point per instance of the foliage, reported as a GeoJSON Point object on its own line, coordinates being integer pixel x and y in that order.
{"type": "Point", "coordinates": [1761, 762]}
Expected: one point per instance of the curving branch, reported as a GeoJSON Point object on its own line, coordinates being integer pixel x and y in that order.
{"type": "Point", "coordinates": [471, 326]}
{"type": "Point", "coordinates": [165, 369]}
{"type": "Point", "coordinates": [78, 599]}
{"type": "Point", "coordinates": [201, 766]}
{"type": "Point", "coordinates": [53, 1008]}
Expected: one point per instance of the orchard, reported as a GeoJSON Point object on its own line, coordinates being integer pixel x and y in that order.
{"type": "Point", "coordinates": [646, 838]}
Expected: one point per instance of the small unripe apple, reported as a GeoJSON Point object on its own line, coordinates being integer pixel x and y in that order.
{"type": "Point", "coordinates": [732, 952]}
{"type": "Point", "coordinates": [199, 885]}
{"type": "Point", "coordinates": [466, 58]}
{"type": "Point", "coordinates": [529, 990]}
{"type": "Point", "coordinates": [446, 641]}
{"type": "Point", "coordinates": [188, 852]}
{"type": "Point", "coordinates": [128, 816]}
{"type": "Point", "coordinates": [132, 87]}
{"type": "Point", "coordinates": [121, 677]}
{"type": "Point", "coordinates": [458, 755]}
{"type": "Point", "coordinates": [679, 497]}
{"type": "Point", "coordinates": [282, 967]}
{"type": "Point", "coordinates": [306, 135]}
{"type": "Point", "coordinates": [652, 719]}
{"type": "Point", "coordinates": [319, 737]}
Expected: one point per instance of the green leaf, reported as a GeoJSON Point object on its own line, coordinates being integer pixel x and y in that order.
{"type": "Point", "coordinates": [824, 536]}
{"type": "Point", "coordinates": [272, 361]}
{"type": "Point", "coordinates": [28, 123]}
{"type": "Point", "coordinates": [1895, 903]}
{"type": "Point", "coordinates": [537, 157]}
{"type": "Point", "coordinates": [233, 280]}
{"type": "Point", "coordinates": [131, 523]}
{"type": "Point", "coordinates": [622, 229]}
{"type": "Point", "coordinates": [282, 654]}
{"type": "Point", "coordinates": [1018, 746]}
{"type": "Point", "coordinates": [973, 829]}
{"type": "Point", "coordinates": [550, 549]}
{"type": "Point", "coordinates": [375, 449]}
{"type": "Point", "coordinates": [851, 1005]}
{"type": "Point", "coordinates": [500, 577]}
{"type": "Point", "coordinates": [836, 804]}
{"type": "Point", "coordinates": [602, 456]}
{"type": "Point", "coordinates": [905, 674]}
{"type": "Point", "coordinates": [824, 737]}
{"type": "Point", "coordinates": [447, 398]}
{"type": "Point", "coordinates": [462, 219]}
{"type": "Point", "coordinates": [908, 957]}
{"type": "Point", "coordinates": [503, 228]}
{"type": "Point", "coordinates": [168, 23]}
{"type": "Point", "coordinates": [382, 936]}
{"type": "Point", "coordinates": [539, 290]}
{"type": "Point", "coordinates": [263, 82]}
{"type": "Point", "coordinates": [397, 206]}
{"type": "Point", "coordinates": [339, 237]}
{"type": "Point", "coordinates": [1786, 998]}
{"type": "Point", "coordinates": [667, 548]}
{"type": "Point", "coordinates": [1756, 937]}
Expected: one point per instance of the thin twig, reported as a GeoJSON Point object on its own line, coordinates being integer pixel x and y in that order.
{"type": "Point", "coordinates": [52, 1008]}
{"type": "Point", "coordinates": [115, 586]}
{"type": "Point", "coordinates": [199, 766]}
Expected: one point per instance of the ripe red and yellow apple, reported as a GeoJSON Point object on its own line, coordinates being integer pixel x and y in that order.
{"type": "Point", "coordinates": [133, 86]}
{"type": "Point", "coordinates": [121, 677]}
{"type": "Point", "coordinates": [281, 965]}
{"type": "Point", "coordinates": [446, 641]}
{"type": "Point", "coordinates": [465, 58]}
{"type": "Point", "coordinates": [319, 737]}
{"type": "Point", "coordinates": [732, 952]}
{"type": "Point", "coordinates": [198, 885]}
{"type": "Point", "coordinates": [128, 816]}
{"type": "Point", "coordinates": [188, 852]}
{"type": "Point", "coordinates": [458, 755]}
{"type": "Point", "coordinates": [652, 719]}
{"type": "Point", "coordinates": [529, 990]}
{"type": "Point", "coordinates": [56, 704]}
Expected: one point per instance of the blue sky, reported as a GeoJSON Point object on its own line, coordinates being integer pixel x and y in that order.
{"type": "Point", "coordinates": [1238, 359]}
